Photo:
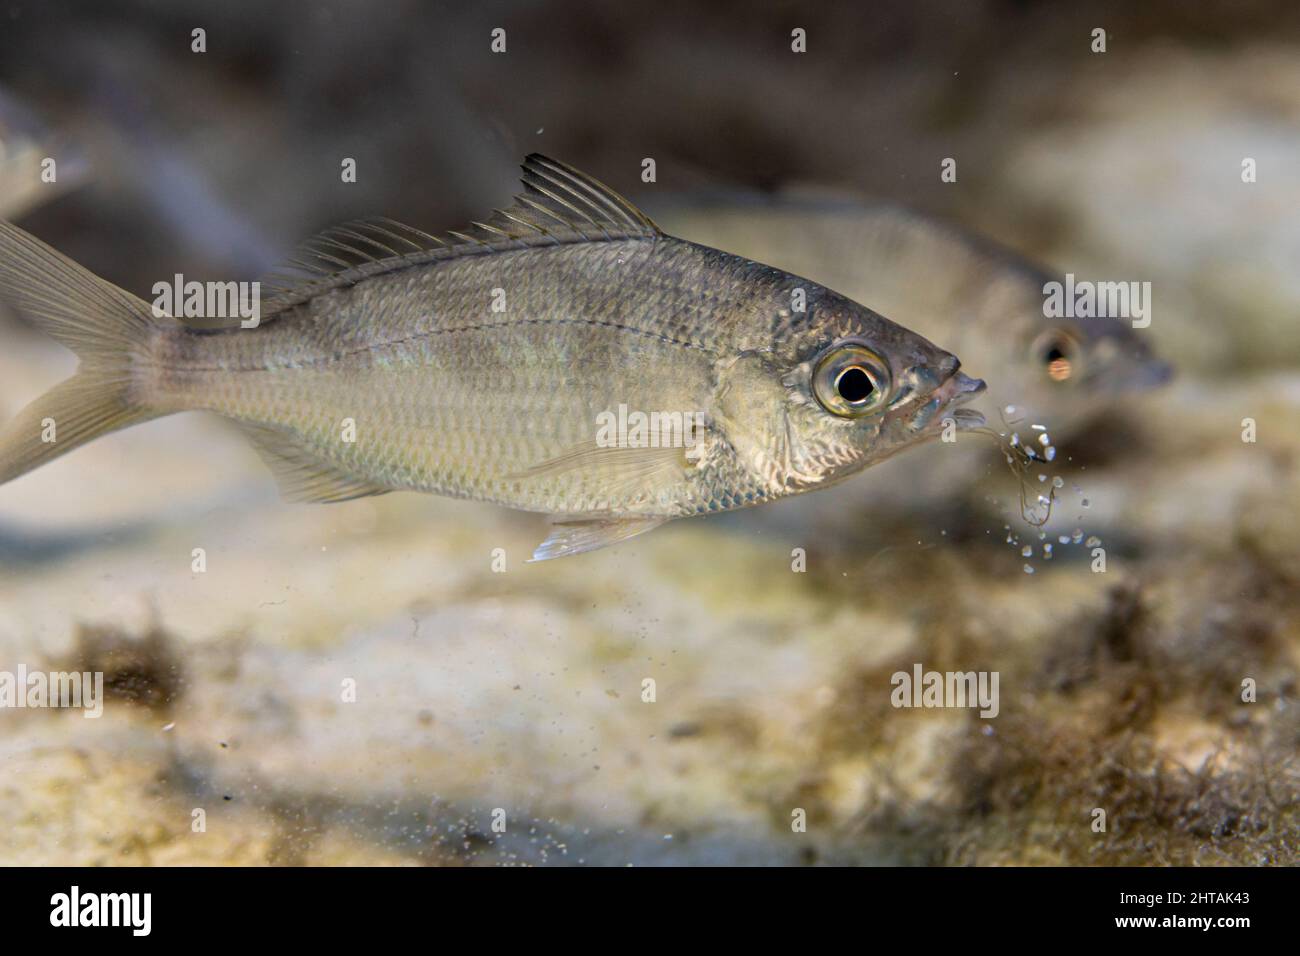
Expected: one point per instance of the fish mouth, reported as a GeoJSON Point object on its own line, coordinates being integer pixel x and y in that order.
{"type": "Point", "coordinates": [1152, 374]}
{"type": "Point", "coordinates": [959, 388]}
{"type": "Point", "coordinates": [956, 390]}
{"type": "Point", "coordinates": [942, 405]}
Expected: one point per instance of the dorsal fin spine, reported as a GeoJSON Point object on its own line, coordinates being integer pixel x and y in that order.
{"type": "Point", "coordinates": [557, 205]}
{"type": "Point", "coordinates": [596, 189]}
{"type": "Point", "coordinates": [393, 235]}
{"type": "Point", "coordinates": [341, 263]}
{"type": "Point", "coordinates": [345, 247]}
{"type": "Point", "coordinates": [563, 202]}
{"type": "Point", "coordinates": [504, 214]}
{"type": "Point", "coordinates": [370, 240]}
{"type": "Point", "coordinates": [529, 201]}
{"type": "Point", "coordinates": [578, 184]}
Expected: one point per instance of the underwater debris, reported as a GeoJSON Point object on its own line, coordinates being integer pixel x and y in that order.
{"type": "Point", "coordinates": [144, 670]}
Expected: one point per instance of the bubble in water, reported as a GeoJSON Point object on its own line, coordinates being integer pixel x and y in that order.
{"type": "Point", "coordinates": [1027, 551]}
{"type": "Point", "coordinates": [1077, 536]}
{"type": "Point", "coordinates": [1058, 482]}
{"type": "Point", "coordinates": [1018, 456]}
{"type": "Point", "coordinates": [1093, 541]}
{"type": "Point", "coordinates": [1063, 539]}
{"type": "Point", "coordinates": [1051, 453]}
{"type": "Point", "coordinates": [1047, 552]}
{"type": "Point", "coordinates": [1029, 569]}
{"type": "Point", "coordinates": [1044, 440]}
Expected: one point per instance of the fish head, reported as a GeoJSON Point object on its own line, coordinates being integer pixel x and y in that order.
{"type": "Point", "coordinates": [838, 391]}
{"type": "Point", "coordinates": [1064, 370]}
{"type": "Point", "coordinates": [1093, 355]}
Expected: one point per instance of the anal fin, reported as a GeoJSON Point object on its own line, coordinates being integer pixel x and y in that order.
{"type": "Point", "coordinates": [301, 474]}
{"type": "Point", "coordinates": [587, 534]}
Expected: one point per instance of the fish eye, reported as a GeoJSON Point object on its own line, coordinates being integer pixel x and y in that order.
{"type": "Point", "coordinates": [1059, 355]}
{"type": "Point", "coordinates": [851, 381]}
{"type": "Point", "coordinates": [854, 385]}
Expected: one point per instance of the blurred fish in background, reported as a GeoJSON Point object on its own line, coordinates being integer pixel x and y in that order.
{"type": "Point", "coordinates": [37, 164]}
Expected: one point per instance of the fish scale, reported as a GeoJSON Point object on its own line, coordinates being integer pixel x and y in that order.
{"type": "Point", "coordinates": [452, 398]}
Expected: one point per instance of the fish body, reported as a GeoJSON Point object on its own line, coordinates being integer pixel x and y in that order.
{"type": "Point", "coordinates": [489, 366]}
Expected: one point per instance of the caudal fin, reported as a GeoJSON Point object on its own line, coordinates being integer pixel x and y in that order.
{"type": "Point", "coordinates": [109, 329]}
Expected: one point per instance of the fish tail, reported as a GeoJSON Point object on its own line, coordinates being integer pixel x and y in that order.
{"type": "Point", "coordinates": [110, 330]}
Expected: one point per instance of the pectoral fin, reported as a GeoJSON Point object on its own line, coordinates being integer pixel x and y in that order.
{"type": "Point", "coordinates": [623, 473]}
{"type": "Point", "coordinates": [588, 534]}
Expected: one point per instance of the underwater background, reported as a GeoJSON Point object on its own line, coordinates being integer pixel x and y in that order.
{"type": "Point", "coordinates": [364, 683]}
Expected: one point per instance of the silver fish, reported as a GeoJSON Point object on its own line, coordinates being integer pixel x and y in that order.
{"type": "Point", "coordinates": [504, 363]}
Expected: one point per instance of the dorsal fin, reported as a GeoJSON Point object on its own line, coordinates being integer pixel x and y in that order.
{"type": "Point", "coordinates": [558, 205]}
